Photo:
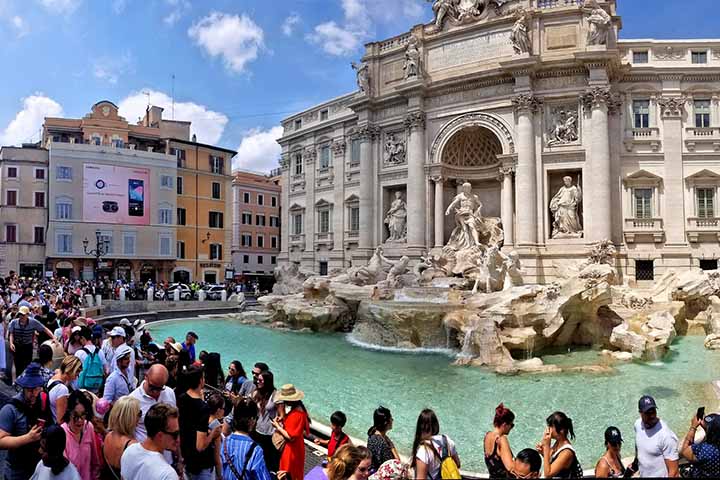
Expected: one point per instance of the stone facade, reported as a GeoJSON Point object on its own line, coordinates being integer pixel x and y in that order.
{"type": "Point", "coordinates": [514, 98]}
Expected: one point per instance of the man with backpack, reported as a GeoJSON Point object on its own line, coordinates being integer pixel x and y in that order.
{"type": "Point", "coordinates": [93, 371]}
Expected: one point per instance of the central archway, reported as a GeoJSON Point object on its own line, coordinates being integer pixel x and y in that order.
{"type": "Point", "coordinates": [472, 147]}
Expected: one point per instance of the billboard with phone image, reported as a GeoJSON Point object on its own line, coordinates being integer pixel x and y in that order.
{"type": "Point", "coordinates": [116, 195]}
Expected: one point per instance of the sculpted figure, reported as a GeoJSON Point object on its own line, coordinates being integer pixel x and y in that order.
{"type": "Point", "coordinates": [468, 219]}
{"type": "Point", "coordinates": [443, 8]}
{"type": "Point", "coordinates": [394, 151]}
{"type": "Point", "coordinates": [363, 76]}
{"type": "Point", "coordinates": [600, 22]}
{"type": "Point", "coordinates": [565, 129]}
{"type": "Point", "coordinates": [519, 36]}
{"type": "Point", "coordinates": [514, 277]}
{"type": "Point", "coordinates": [412, 60]}
{"type": "Point", "coordinates": [564, 206]}
{"type": "Point", "coordinates": [396, 219]}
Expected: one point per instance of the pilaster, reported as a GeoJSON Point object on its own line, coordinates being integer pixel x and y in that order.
{"type": "Point", "coordinates": [507, 205]}
{"type": "Point", "coordinates": [526, 105]}
{"type": "Point", "coordinates": [367, 134]}
{"type": "Point", "coordinates": [416, 183]}
{"type": "Point", "coordinates": [439, 220]}
{"type": "Point", "coordinates": [671, 111]}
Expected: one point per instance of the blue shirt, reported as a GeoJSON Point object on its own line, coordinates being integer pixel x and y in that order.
{"type": "Point", "coordinates": [116, 385]}
{"type": "Point", "coordinates": [20, 461]}
{"type": "Point", "coordinates": [708, 459]}
{"type": "Point", "coordinates": [190, 350]}
{"type": "Point", "coordinates": [234, 449]}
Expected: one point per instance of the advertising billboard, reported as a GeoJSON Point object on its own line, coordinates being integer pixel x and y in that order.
{"type": "Point", "coordinates": [118, 195]}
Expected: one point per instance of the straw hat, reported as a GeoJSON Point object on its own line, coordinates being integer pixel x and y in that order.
{"type": "Point", "coordinates": [288, 393]}
{"type": "Point", "coordinates": [176, 346]}
{"type": "Point", "coordinates": [24, 310]}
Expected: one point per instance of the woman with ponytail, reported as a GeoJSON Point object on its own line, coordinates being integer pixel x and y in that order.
{"type": "Point", "coordinates": [54, 465]}
{"type": "Point", "coordinates": [498, 455]}
{"type": "Point", "coordinates": [380, 445]}
{"type": "Point", "coordinates": [559, 459]}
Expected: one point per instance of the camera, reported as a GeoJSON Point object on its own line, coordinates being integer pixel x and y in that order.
{"type": "Point", "coordinates": [110, 207]}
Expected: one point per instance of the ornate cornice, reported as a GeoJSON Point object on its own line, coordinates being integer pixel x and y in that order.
{"type": "Point", "coordinates": [672, 106]}
{"type": "Point", "coordinates": [415, 120]}
{"type": "Point", "coordinates": [526, 102]}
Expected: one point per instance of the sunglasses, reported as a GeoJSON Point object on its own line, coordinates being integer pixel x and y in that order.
{"type": "Point", "coordinates": [174, 434]}
{"type": "Point", "coordinates": [155, 388]}
{"type": "Point", "coordinates": [77, 416]}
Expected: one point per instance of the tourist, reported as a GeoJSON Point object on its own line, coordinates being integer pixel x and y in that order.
{"type": "Point", "coordinates": [349, 462]}
{"type": "Point", "coordinates": [498, 455]}
{"type": "Point", "coordinates": [116, 337]}
{"type": "Point", "coordinates": [236, 377]}
{"type": "Point", "coordinates": [21, 424]}
{"type": "Point", "coordinates": [122, 423]}
{"type": "Point", "coordinates": [656, 445]}
{"type": "Point", "coordinates": [430, 448]}
{"type": "Point", "coordinates": [267, 411]}
{"type": "Point", "coordinates": [293, 428]}
{"type": "Point", "coordinates": [216, 407]}
{"type": "Point", "coordinates": [143, 461]}
{"type": "Point", "coordinates": [81, 448]}
{"type": "Point", "coordinates": [338, 438]}
{"type": "Point", "coordinates": [21, 333]}
{"type": "Point", "coordinates": [73, 344]}
{"type": "Point", "coordinates": [45, 359]}
{"type": "Point", "coordinates": [60, 386]}
{"type": "Point", "coordinates": [189, 344]}
{"type": "Point", "coordinates": [197, 442]}
{"type": "Point", "coordinates": [379, 444]}
{"type": "Point", "coordinates": [527, 464]}
{"type": "Point", "coordinates": [150, 392]}
{"type": "Point", "coordinates": [213, 371]}
{"type": "Point", "coordinates": [249, 387]}
{"type": "Point", "coordinates": [93, 362]}
{"type": "Point", "coordinates": [53, 464]}
{"type": "Point", "coordinates": [118, 384]}
{"type": "Point", "coordinates": [559, 459]}
{"type": "Point", "coordinates": [704, 456]}
{"type": "Point", "coordinates": [610, 464]}
{"type": "Point", "coordinates": [240, 454]}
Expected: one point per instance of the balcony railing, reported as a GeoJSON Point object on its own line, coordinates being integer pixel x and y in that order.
{"type": "Point", "coordinates": [710, 223]}
{"type": "Point", "coordinates": [644, 227]}
{"type": "Point", "coordinates": [352, 233]}
{"type": "Point", "coordinates": [704, 136]}
{"type": "Point", "coordinates": [297, 238]}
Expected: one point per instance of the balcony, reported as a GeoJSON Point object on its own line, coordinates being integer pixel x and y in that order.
{"type": "Point", "coordinates": [698, 227]}
{"type": "Point", "coordinates": [702, 139]}
{"type": "Point", "coordinates": [324, 239]}
{"type": "Point", "coordinates": [645, 139]}
{"type": "Point", "coordinates": [644, 227]}
{"type": "Point", "coordinates": [352, 237]}
{"type": "Point", "coordinates": [297, 241]}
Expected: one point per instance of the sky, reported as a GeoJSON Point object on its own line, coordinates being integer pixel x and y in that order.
{"type": "Point", "coordinates": [239, 66]}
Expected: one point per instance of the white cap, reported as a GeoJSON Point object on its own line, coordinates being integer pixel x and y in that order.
{"type": "Point", "coordinates": [125, 321]}
{"type": "Point", "coordinates": [122, 351]}
{"type": "Point", "coordinates": [117, 332]}
{"type": "Point", "coordinates": [76, 329]}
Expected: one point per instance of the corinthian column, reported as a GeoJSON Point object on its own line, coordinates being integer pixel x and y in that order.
{"type": "Point", "coordinates": [367, 134]}
{"type": "Point", "coordinates": [415, 123]}
{"type": "Point", "coordinates": [672, 110]}
{"type": "Point", "coordinates": [506, 207]}
{"type": "Point", "coordinates": [526, 179]}
{"type": "Point", "coordinates": [439, 212]}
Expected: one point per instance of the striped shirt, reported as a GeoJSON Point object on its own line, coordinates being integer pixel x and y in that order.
{"type": "Point", "coordinates": [235, 449]}
{"type": "Point", "coordinates": [23, 334]}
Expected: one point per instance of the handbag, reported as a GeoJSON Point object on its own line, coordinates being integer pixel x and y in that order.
{"type": "Point", "coordinates": [278, 441]}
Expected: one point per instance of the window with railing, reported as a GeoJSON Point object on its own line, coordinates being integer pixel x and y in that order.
{"type": "Point", "coordinates": [705, 202]}
{"type": "Point", "coordinates": [641, 113]}
{"type": "Point", "coordinates": [64, 242]}
{"type": "Point", "coordinates": [643, 202]}
{"type": "Point", "coordinates": [63, 209]}
{"type": "Point", "coordinates": [702, 113]}
{"type": "Point", "coordinates": [180, 246]}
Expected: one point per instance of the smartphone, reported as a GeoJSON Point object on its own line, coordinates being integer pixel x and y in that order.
{"type": "Point", "coordinates": [136, 197]}
{"type": "Point", "coordinates": [700, 413]}
{"type": "Point", "coordinates": [41, 423]}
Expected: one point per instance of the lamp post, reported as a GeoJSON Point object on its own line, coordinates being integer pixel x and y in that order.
{"type": "Point", "coordinates": [101, 249]}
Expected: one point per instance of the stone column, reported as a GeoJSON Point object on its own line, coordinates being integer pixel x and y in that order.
{"type": "Point", "coordinates": [598, 101]}
{"type": "Point", "coordinates": [367, 134]}
{"type": "Point", "coordinates": [526, 178]}
{"type": "Point", "coordinates": [439, 211]}
{"type": "Point", "coordinates": [507, 207]}
{"type": "Point", "coordinates": [415, 123]}
{"type": "Point", "coordinates": [286, 219]}
{"type": "Point", "coordinates": [339, 147]}
{"type": "Point", "coordinates": [309, 157]}
{"type": "Point", "coordinates": [672, 109]}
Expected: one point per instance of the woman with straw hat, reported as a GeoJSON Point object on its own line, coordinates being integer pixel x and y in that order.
{"type": "Point", "coordinates": [294, 428]}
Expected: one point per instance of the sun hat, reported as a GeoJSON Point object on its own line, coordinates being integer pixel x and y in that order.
{"type": "Point", "coordinates": [31, 377]}
{"type": "Point", "coordinates": [288, 393]}
{"type": "Point", "coordinates": [613, 436]}
{"type": "Point", "coordinates": [646, 403]}
{"type": "Point", "coordinates": [24, 310]}
{"type": "Point", "coordinates": [117, 332]}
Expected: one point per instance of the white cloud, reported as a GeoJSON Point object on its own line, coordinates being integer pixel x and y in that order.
{"type": "Point", "coordinates": [111, 68]}
{"type": "Point", "coordinates": [178, 8]}
{"type": "Point", "coordinates": [259, 150]}
{"type": "Point", "coordinates": [21, 27]}
{"type": "Point", "coordinates": [235, 38]}
{"type": "Point", "coordinates": [62, 7]}
{"type": "Point", "coordinates": [336, 40]}
{"type": "Point", "coordinates": [30, 119]}
{"type": "Point", "coordinates": [288, 26]}
{"type": "Point", "coordinates": [207, 124]}
{"type": "Point", "coordinates": [118, 6]}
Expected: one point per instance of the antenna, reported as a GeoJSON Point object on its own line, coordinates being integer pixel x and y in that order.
{"type": "Point", "coordinates": [146, 93]}
{"type": "Point", "coordinates": [173, 96]}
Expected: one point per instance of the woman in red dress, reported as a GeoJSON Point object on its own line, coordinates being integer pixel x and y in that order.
{"type": "Point", "coordinates": [294, 428]}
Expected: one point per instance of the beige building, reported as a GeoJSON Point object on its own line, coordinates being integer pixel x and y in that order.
{"type": "Point", "coordinates": [567, 133]}
{"type": "Point", "coordinates": [23, 209]}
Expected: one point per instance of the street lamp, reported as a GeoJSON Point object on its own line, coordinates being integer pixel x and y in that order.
{"type": "Point", "coordinates": [101, 249]}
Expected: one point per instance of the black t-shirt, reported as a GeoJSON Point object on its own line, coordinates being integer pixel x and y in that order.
{"type": "Point", "coordinates": [194, 417]}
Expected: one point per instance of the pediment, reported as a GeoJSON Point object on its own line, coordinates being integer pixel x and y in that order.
{"type": "Point", "coordinates": [703, 176]}
{"type": "Point", "coordinates": [642, 177]}
{"type": "Point", "coordinates": [352, 199]}
{"type": "Point", "coordinates": [296, 207]}
{"type": "Point", "coordinates": [322, 203]}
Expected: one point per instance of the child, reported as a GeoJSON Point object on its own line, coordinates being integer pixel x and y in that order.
{"type": "Point", "coordinates": [216, 405]}
{"type": "Point", "coordinates": [338, 438]}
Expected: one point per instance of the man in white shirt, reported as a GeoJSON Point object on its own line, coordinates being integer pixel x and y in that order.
{"type": "Point", "coordinates": [142, 461]}
{"type": "Point", "coordinates": [150, 392]}
{"type": "Point", "coordinates": [656, 446]}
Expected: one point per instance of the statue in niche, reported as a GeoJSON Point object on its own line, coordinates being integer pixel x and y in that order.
{"type": "Point", "coordinates": [520, 36]}
{"type": "Point", "coordinates": [564, 207]}
{"type": "Point", "coordinates": [565, 129]}
{"type": "Point", "coordinates": [600, 22]}
{"type": "Point", "coordinates": [396, 219]}
{"type": "Point", "coordinates": [469, 225]}
{"type": "Point", "coordinates": [394, 150]}
{"type": "Point", "coordinates": [412, 60]}
{"type": "Point", "coordinates": [362, 70]}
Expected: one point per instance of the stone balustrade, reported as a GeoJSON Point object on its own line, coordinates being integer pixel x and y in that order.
{"type": "Point", "coordinates": [644, 226]}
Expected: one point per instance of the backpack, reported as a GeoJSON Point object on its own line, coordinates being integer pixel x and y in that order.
{"type": "Point", "coordinates": [448, 468]}
{"type": "Point", "coordinates": [93, 372]}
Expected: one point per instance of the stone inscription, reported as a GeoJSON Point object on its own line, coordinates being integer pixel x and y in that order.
{"type": "Point", "coordinates": [561, 37]}
{"type": "Point", "coordinates": [468, 95]}
{"type": "Point", "coordinates": [472, 50]}
{"type": "Point", "coordinates": [555, 83]}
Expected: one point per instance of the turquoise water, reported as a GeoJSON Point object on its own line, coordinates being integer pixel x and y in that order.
{"type": "Point", "coordinates": [337, 375]}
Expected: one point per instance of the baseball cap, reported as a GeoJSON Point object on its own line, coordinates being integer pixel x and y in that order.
{"type": "Point", "coordinates": [24, 310]}
{"type": "Point", "coordinates": [613, 436]}
{"type": "Point", "coordinates": [122, 352]}
{"type": "Point", "coordinates": [117, 332]}
{"type": "Point", "coordinates": [646, 403]}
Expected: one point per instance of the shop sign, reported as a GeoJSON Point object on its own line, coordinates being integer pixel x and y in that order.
{"type": "Point", "coordinates": [209, 265]}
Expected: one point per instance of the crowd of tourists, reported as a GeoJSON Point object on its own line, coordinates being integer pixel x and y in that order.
{"type": "Point", "coordinates": [108, 402]}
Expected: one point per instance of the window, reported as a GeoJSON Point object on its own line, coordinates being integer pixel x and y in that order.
{"type": "Point", "coordinates": [64, 242]}
{"type": "Point", "coordinates": [273, 201]}
{"type": "Point", "coordinates": [63, 173]}
{"type": "Point", "coordinates": [12, 172]}
{"type": "Point", "coordinates": [297, 224]}
{"type": "Point", "coordinates": [298, 164]}
{"type": "Point", "coordinates": [324, 158]}
{"type": "Point", "coordinates": [165, 248]}
{"type": "Point", "coordinates": [323, 268]}
{"type": "Point", "coordinates": [180, 185]}
{"type": "Point", "coordinates": [644, 270]}
{"type": "Point", "coordinates": [641, 113]}
{"type": "Point", "coordinates": [708, 264]}
{"type": "Point", "coordinates": [640, 57]}
{"type": "Point", "coordinates": [216, 220]}
{"type": "Point", "coordinates": [106, 239]}
{"type": "Point", "coordinates": [261, 241]}
{"type": "Point", "coordinates": [63, 209]}
{"type": "Point", "coordinates": [324, 226]}
{"type": "Point", "coordinates": [273, 260]}
{"type": "Point", "coordinates": [260, 260]}
{"type": "Point", "coordinates": [354, 219]}
{"type": "Point", "coordinates": [215, 251]}
{"type": "Point", "coordinates": [246, 259]}
{"type": "Point", "coordinates": [702, 113]}
{"type": "Point", "coordinates": [181, 216]}
{"type": "Point", "coordinates": [129, 240]}
{"type": "Point", "coordinates": [217, 164]}
{"type": "Point", "coordinates": [216, 190]}
{"type": "Point", "coordinates": [40, 199]}
{"type": "Point", "coordinates": [166, 181]}
{"type": "Point", "coordinates": [180, 155]}
{"type": "Point", "coordinates": [39, 235]}
{"type": "Point", "coordinates": [643, 202]}
{"type": "Point", "coordinates": [166, 216]}
{"type": "Point", "coordinates": [246, 240]}
{"type": "Point", "coordinates": [247, 218]}
{"type": "Point", "coordinates": [39, 174]}
{"type": "Point", "coordinates": [246, 197]}
{"type": "Point", "coordinates": [273, 242]}
{"type": "Point", "coordinates": [260, 220]}
{"type": "Point", "coordinates": [11, 233]}
{"type": "Point", "coordinates": [11, 198]}
{"type": "Point", "coordinates": [261, 199]}
{"type": "Point", "coordinates": [706, 202]}
{"type": "Point", "coordinates": [355, 151]}
{"type": "Point", "coordinates": [323, 115]}
{"type": "Point", "coordinates": [275, 221]}
{"type": "Point", "coordinates": [699, 57]}
{"type": "Point", "coordinates": [180, 245]}
{"type": "Point", "coordinates": [298, 124]}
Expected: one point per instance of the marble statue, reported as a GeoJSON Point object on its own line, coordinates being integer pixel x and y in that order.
{"type": "Point", "coordinates": [469, 225]}
{"type": "Point", "coordinates": [394, 153]}
{"type": "Point", "coordinates": [399, 269]}
{"type": "Point", "coordinates": [443, 8]}
{"type": "Point", "coordinates": [520, 36]}
{"type": "Point", "coordinates": [564, 206]}
{"type": "Point", "coordinates": [600, 23]}
{"type": "Point", "coordinates": [565, 127]}
{"type": "Point", "coordinates": [412, 60]}
{"type": "Point", "coordinates": [460, 11]}
{"type": "Point", "coordinates": [375, 271]}
{"type": "Point", "coordinates": [396, 219]}
{"type": "Point", "coordinates": [362, 70]}
{"type": "Point", "coordinates": [514, 277]}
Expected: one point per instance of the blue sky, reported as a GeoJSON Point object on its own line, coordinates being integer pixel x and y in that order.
{"type": "Point", "coordinates": [240, 65]}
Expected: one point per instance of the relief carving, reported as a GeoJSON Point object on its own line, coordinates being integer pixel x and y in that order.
{"type": "Point", "coordinates": [669, 53]}
{"type": "Point", "coordinates": [672, 106]}
{"type": "Point", "coordinates": [461, 12]}
{"type": "Point", "coordinates": [394, 152]}
{"type": "Point", "coordinates": [563, 126]}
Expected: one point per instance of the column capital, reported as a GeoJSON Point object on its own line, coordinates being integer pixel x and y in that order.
{"type": "Point", "coordinates": [415, 120]}
{"type": "Point", "coordinates": [368, 132]}
{"type": "Point", "coordinates": [437, 179]}
{"type": "Point", "coordinates": [506, 170]}
{"type": "Point", "coordinates": [526, 102]}
{"type": "Point", "coordinates": [596, 97]}
{"type": "Point", "coordinates": [338, 147]}
{"type": "Point", "coordinates": [672, 107]}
